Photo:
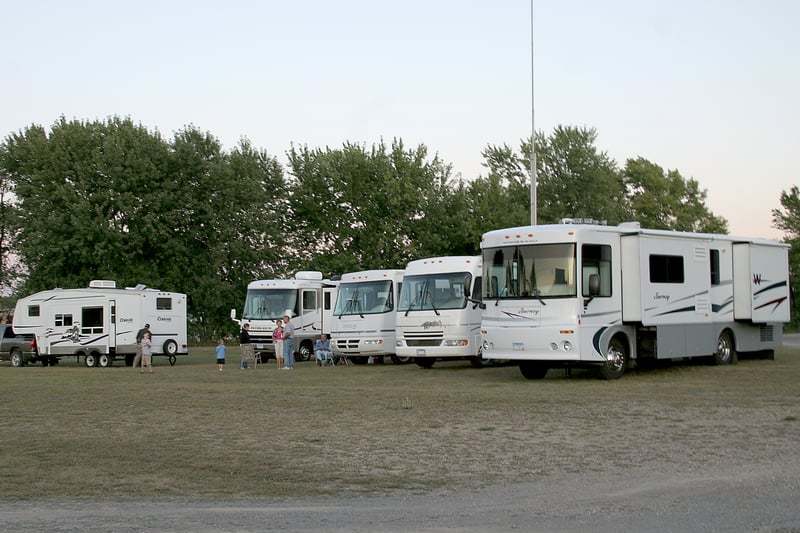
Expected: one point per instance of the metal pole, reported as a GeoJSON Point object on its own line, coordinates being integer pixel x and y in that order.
{"type": "Point", "coordinates": [533, 136]}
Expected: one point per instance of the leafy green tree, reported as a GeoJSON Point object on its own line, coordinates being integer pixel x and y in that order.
{"type": "Point", "coordinates": [111, 200]}
{"type": "Point", "coordinates": [10, 268]}
{"type": "Point", "coordinates": [355, 209]}
{"type": "Point", "coordinates": [666, 200]}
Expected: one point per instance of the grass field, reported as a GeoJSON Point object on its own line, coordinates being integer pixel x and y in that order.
{"type": "Point", "coordinates": [191, 431]}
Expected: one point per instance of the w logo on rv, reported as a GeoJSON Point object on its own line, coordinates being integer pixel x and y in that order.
{"type": "Point", "coordinates": [756, 279]}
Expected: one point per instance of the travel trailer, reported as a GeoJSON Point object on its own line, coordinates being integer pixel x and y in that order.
{"type": "Point", "coordinates": [364, 315]}
{"type": "Point", "coordinates": [308, 298]}
{"type": "Point", "coordinates": [588, 294]}
{"type": "Point", "coordinates": [438, 314]}
{"type": "Point", "coordinates": [99, 323]}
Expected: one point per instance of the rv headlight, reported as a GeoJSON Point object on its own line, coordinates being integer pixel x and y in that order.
{"type": "Point", "coordinates": [398, 343]}
{"type": "Point", "coordinates": [553, 346]}
{"type": "Point", "coordinates": [457, 342]}
{"type": "Point", "coordinates": [566, 345]}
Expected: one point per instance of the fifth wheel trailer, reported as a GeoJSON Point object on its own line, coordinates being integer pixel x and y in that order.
{"type": "Point", "coordinates": [583, 294]}
{"type": "Point", "coordinates": [99, 323]}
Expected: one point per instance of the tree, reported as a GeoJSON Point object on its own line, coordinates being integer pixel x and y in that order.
{"type": "Point", "coordinates": [787, 219]}
{"type": "Point", "coordinates": [665, 200]}
{"type": "Point", "coordinates": [10, 268]}
{"type": "Point", "coordinates": [357, 209]}
{"type": "Point", "coordinates": [113, 200]}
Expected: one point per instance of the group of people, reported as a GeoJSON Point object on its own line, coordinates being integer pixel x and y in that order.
{"type": "Point", "coordinates": [283, 338]}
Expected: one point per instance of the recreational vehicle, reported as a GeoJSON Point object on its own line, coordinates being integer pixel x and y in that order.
{"type": "Point", "coordinates": [364, 315]}
{"type": "Point", "coordinates": [438, 315]}
{"type": "Point", "coordinates": [589, 294]}
{"type": "Point", "coordinates": [308, 298]}
{"type": "Point", "coordinates": [99, 323]}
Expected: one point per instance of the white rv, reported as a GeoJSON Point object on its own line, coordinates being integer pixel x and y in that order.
{"type": "Point", "coordinates": [308, 298]}
{"type": "Point", "coordinates": [364, 315]}
{"type": "Point", "coordinates": [583, 294]}
{"type": "Point", "coordinates": [99, 323]}
{"type": "Point", "coordinates": [438, 315]}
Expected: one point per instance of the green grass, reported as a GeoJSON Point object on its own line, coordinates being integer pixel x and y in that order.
{"type": "Point", "coordinates": [191, 431]}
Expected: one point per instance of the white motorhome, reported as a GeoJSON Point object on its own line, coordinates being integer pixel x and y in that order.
{"type": "Point", "coordinates": [582, 294]}
{"type": "Point", "coordinates": [308, 298]}
{"type": "Point", "coordinates": [364, 315]}
{"type": "Point", "coordinates": [99, 323]}
{"type": "Point", "coordinates": [438, 315]}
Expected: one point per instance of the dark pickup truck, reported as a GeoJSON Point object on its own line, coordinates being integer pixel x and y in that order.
{"type": "Point", "coordinates": [20, 349]}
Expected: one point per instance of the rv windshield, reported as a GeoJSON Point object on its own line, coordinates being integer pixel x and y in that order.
{"type": "Point", "coordinates": [427, 292]}
{"type": "Point", "coordinates": [530, 271]}
{"type": "Point", "coordinates": [364, 298]}
{"type": "Point", "coordinates": [268, 304]}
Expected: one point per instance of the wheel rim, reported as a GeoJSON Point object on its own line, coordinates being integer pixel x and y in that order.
{"type": "Point", "coordinates": [615, 358]}
{"type": "Point", "coordinates": [724, 348]}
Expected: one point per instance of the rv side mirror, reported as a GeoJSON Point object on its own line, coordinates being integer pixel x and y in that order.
{"type": "Point", "coordinates": [233, 314]}
{"type": "Point", "coordinates": [594, 284]}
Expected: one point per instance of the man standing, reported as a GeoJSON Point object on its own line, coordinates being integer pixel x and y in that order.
{"type": "Point", "coordinates": [139, 337]}
{"type": "Point", "coordinates": [288, 342]}
{"type": "Point", "coordinates": [246, 346]}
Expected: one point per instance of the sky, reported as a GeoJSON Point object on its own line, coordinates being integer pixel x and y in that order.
{"type": "Point", "coordinates": [705, 87]}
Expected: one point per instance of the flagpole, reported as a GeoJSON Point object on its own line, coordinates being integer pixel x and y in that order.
{"type": "Point", "coordinates": [533, 136]}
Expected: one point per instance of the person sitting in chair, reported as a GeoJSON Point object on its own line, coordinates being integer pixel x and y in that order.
{"type": "Point", "coordinates": [322, 349]}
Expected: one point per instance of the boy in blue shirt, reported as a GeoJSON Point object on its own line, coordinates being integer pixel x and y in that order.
{"type": "Point", "coordinates": [221, 354]}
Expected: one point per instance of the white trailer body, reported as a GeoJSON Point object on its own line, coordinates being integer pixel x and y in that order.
{"type": "Point", "coordinates": [438, 316]}
{"type": "Point", "coordinates": [556, 295]}
{"type": "Point", "coordinates": [308, 298]}
{"type": "Point", "coordinates": [99, 323]}
{"type": "Point", "coordinates": [364, 315]}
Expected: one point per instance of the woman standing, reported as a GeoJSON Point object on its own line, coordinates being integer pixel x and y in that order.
{"type": "Point", "coordinates": [277, 339]}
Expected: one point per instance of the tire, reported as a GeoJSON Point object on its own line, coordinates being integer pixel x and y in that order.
{"type": "Point", "coordinates": [726, 353]}
{"type": "Point", "coordinates": [616, 359]}
{"type": "Point", "coordinates": [533, 369]}
{"type": "Point", "coordinates": [90, 360]}
{"type": "Point", "coordinates": [424, 362]}
{"type": "Point", "coordinates": [45, 361]}
{"type": "Point", "coordinates": [105, 360]}
{"type": "Point", "coordinates": [401, 360]}
{"type": "Point", "coordinates": [170, 348]}
{"type": "Point", "coordinates": [16, 358]}
{"type": "Point", "coordinates": [304, 354]}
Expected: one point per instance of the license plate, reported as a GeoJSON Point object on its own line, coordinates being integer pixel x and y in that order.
{"type": "Point", "coordinates": [421, 352]}
{"type": "Point", "coordinates": [259, 346]}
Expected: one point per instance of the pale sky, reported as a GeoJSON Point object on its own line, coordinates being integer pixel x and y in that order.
{"type": "Point", "coordinates": [707, 87]}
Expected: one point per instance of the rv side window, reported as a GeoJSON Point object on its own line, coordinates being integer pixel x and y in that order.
{"type": "Point", "coordinates": [309, 300]}
{"type": "Point", "coordinates": [327, 297]}
{"type": "Point", "coordinates": [666, 269]}
{"type": "Point", "coordinates": [715, 267]}
{"type": "Point", "coordinates": [33, 310]}
{"type": "Point", "coordinates": [92, 320]}
{"type": "Point", "coordinates": [164, 304]}
{"type": "Point", "coordinates": [63, 320]}
{"type": "Point", "coordinates": [596, 259]}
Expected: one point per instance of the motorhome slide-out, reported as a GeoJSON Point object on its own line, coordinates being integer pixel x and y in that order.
{"type": "Point", "coordinates": [309, 299]}
{"type": "Point", "coordinates": [438, 314]}
{"type": "Point", "coordinates": [363, 323]}
{"type": "Point", "coordinates": [98, 324]}
{"type": "Point", "coordinates": [612, 296]}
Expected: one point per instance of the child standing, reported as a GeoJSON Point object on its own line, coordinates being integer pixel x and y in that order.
{"type": "Point", "coordinates": [147, 353]}
{"type": "Point", "coordinates": [221, 354]}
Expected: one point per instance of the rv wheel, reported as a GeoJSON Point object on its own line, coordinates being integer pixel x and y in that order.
{"type": "Point", "coordinates": [424, 362]}
{"type": "Point", "coordinates": [90, 360]}
{"type": "Point", "coordinates": [725, 353]}
{"type": "Point", "coordinates": [616, 356]}
{"type": "Point", "coordinates": [170, 348]}
{"type": "Point", "coordinates": [304, 354]}
{"type": "Point", "coordinates": [401, 360]}
{"type": "Point", "coordinates": [105, 361]}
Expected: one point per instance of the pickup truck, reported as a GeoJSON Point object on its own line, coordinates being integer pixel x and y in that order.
{"type": "Point", "coordinates": [20, 349]}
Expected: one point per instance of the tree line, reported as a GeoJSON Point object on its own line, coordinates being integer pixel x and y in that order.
{"type": "Point", "coordinates": [114, 200]}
